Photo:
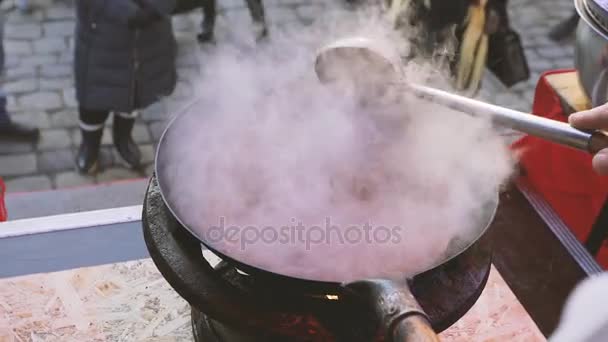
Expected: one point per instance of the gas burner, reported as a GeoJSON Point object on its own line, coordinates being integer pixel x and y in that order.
{"type": "Point", "coordinates": [230, 304]}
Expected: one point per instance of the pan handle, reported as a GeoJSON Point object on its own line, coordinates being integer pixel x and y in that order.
{"type": "Point", "coordinates": [400, 316]}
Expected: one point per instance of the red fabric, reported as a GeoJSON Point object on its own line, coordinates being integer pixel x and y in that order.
{"type": "Point", "coordinates": [3, 215]}
{"type": "Point", "coordinates": [563, 176]}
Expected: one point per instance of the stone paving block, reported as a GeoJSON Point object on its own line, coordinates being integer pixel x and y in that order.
{"type": "Point", "coordinates": [16, 17]}
{"type": "Point", "coordinates": [20, 86]}
{"type": "Point", "coordinates": [55, 161]}
{"type": "Point", "coordinates": [183, 90]}
{"type": "Point", "coordinates": [37, 60]}
{"type": "Point", "coordinates": [46, 100]}
{"type": "Point", "coordinates": [64, 118]}
{"type": "Point", "coordinates": [18, 47]}
{"type": "Point", "coordinates": [281, 15]}
{"type": "Point", "coordinates": [563, 63]}
{"type": "Point", "coordinates": [106, 158]}
{"type": "Point", "coordinates": [52, 139]}
{"type": "Point", "coordinates": [13, 74]}
{"type": "Point", "coordinates": [106, 139]}
{"type": "Point", "coordinates": [66, 57]}
{"type": "Point", "coordinates": [56, 70]}
{"type": "Point", "coordinates": [17, 164]}
{"type": "Point", "coordinates": [148, 153]}
{"type": "Point", "coordinates": [34, 118]}
{"type": "Point", "coordinates": [182, 23]}
{"type": "Point", "coordinates": [539, 64]}
{"type": "Point", "coordinates": [59, 28]}
{"type": "Point", "coordinates": [542, 41]}
{"type": "Point", "coordinates": [141, 133]}
{"type": "Point", "coordinates": [231, 4]}
{"type": "Point", "coordinates": [188, 60]}
{"type": "Point", "coordinates": [69, 98]}
{"type": "Point", "coordinates": [157, 129]}
{"type": "Point", "coordinates": [23, 31]}
{"type": "Point", "coordinates": [50, 45]}
{"type": "Point", "coordinates": [9, 146]}
{"type": "Point", "coordinates": [155, 112]}
{"type": "Point", "coordinates": [11, 103]}
{"type": "Point", "coordinates": [12, 61]}
{"type": "Point", "coordinates": [307, 13]}
{"type": "Point", "coordinates": [73, 179]}
{"type": "Point", "coordinates": [191, 75]}
{"type": "Point", "coordinates": [114, 174]}
{"type": "Point", "coordinates": [60, 12]}
{"type": "Point", "coordinates": [149, 170]}
{"type": "Point", "coordinates": [30, 183]}
{"type": "Point", "coordinates": [56, 83]}
{"type": "Point", "coordinates": [40, 5]}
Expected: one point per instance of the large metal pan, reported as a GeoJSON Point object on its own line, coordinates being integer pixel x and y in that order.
{"type": "Point", "coordinates": [394, 305]}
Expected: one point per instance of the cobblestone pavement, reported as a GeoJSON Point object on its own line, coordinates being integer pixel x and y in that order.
{"type": "Point", "coordinates": [40, 86]}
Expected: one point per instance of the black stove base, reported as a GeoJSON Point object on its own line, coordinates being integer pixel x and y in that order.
{"type": "Point", "coordinates": [247, 305]}
{"type": "Point", "coordinates": [204, 329]}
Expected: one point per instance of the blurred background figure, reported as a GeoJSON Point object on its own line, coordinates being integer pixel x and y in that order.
{"type": "Point", "coordinates": [10, 129]}
{"type": "Point", "coordinates": [565, 28]}
{"type": "Point", "coordinates": [209, 8]}
{"type": "Point", "coordinates": [485, 39]}
{"type": "Point", "coordinates": [125, 54]}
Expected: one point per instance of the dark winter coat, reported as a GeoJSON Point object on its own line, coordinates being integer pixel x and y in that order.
{"type": "Point", "coordinates": [122, 66]}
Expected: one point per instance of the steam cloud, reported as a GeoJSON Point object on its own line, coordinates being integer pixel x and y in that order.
{"type": "Point", "coordinates": [266, 142]}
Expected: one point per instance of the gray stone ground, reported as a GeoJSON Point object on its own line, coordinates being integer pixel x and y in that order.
{"type": "Point", "coordinates": [38, 80]}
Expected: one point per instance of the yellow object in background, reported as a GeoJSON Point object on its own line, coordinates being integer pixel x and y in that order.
{"type": "Point", "coordinates": [474, 48]}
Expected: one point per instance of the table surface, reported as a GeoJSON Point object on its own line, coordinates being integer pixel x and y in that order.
{"type": "Point", "coordinates": [131, 301]}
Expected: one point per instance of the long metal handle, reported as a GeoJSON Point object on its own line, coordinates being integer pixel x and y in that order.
{"type": "Point", "coordinates": [400, 316]}
{"type": "Point", "coordinates": [552, 130]}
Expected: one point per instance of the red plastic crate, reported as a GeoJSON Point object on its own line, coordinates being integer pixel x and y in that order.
{"type": "Point", "coordinates": [563, 176]}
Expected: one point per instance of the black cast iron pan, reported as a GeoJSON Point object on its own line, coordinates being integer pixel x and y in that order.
{"type": "Point", "coordinates": [391, 299]}
{"type": "Point", "coordinates": [395, 307]}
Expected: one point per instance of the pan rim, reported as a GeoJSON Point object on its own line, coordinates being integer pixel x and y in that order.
{"type": "Point", "coordinates": [488, 218]}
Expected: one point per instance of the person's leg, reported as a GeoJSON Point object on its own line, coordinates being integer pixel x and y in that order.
{"type": "Point", "coordinates": [208, 24]}
{"type": "Point", "coordinates": [91, 130]}
{"type": "Point", "coordinates": [8, 128]}
{"type": "Point", "coordinates": [123, 139]}
{"type": "Point", "coordinates": [4, 118]}
{"type": "Point", "coordinates": [256, 9]}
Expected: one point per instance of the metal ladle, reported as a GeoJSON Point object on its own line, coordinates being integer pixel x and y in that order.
{"type": "Point", "coordinates": [338, 59]}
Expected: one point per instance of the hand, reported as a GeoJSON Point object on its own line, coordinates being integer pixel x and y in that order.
{"type": "Point", "coordinates": [596, 118]}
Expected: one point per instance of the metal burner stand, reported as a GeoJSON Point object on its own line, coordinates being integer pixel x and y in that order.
{"type": "Point", "coordinates": [227, 305]}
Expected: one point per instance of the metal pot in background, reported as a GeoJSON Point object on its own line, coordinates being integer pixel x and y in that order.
{"type": "Point", "coordinates": [591, 49]}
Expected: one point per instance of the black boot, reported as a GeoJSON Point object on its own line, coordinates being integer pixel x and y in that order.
{"type": "Point", "coordinates": [87, 159]}
{"type": "Point", "coordinates": [16, 131]}
{"type": "Point", "coordinates": [208, 25]}
{"type": "Point", "coordinates": [256, 10]}
{"type": "Point", "coordinates": [207, 35]}
{"type": "Point", "coordinates": [12, 130]}
{"type": "Point", "coordinates": [123, 141]}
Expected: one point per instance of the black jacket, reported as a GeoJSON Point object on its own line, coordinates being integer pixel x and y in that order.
{"type": "Point", "coordinates": [124, 53]}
